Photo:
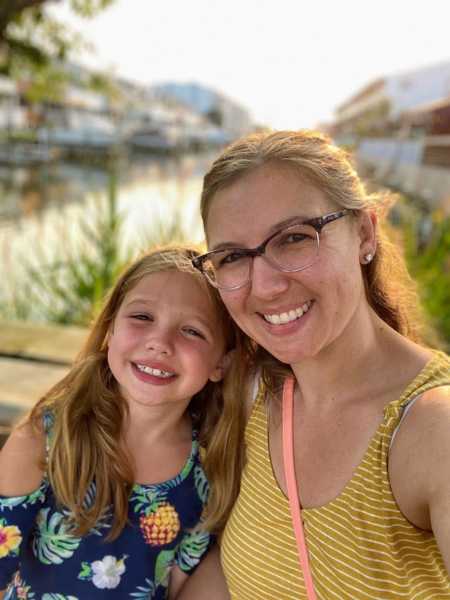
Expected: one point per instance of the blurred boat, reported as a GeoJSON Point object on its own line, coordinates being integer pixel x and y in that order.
{"type": "Point", "coordinates": [20, 154]}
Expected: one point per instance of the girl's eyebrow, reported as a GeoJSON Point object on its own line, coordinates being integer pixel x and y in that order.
{"type": "Point", "coordinates": [139, 300]}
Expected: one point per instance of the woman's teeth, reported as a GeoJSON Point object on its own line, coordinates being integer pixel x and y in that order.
{"type": "Point", "coordinates": [155, 372]}
{"type": "Point", "coordinates": [287, 317]}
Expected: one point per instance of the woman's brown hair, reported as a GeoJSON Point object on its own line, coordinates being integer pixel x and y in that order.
{"type": "Point", "coordinates": [389, 289]}
{"type": "Point", "coordinates": [88, 412]}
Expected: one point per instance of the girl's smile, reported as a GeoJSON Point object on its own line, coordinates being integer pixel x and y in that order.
{"type": "Point", "coordinates": [153, 374]}
{"type": "Point", "coordinates": [165, 345]}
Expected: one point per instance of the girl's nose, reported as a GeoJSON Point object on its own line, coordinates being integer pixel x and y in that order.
{"type": "Point", "coordinates": [160, 343]}
{"type": "Point", "coordinates": [266, 281]}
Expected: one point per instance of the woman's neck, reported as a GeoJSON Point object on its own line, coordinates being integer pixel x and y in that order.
{"type": "Point", "coordinates": [356, 364]}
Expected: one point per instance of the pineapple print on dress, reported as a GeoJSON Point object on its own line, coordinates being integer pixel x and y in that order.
{"type": "Point", "coordinates": [159, 521]}
{"type": "Point", "coordinates": [160, 525]}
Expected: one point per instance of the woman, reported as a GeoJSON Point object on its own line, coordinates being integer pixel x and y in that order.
{"type": "Point", "coordinates": [304, 269]}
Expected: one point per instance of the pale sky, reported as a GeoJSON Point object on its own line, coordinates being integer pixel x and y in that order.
{"type": "Point", "coordinates": [290, 62]}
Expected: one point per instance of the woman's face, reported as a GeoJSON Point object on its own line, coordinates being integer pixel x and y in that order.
{"type": "Point", "coordinates": [244, 214]}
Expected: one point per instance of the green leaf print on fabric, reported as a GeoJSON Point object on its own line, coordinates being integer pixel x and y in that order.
{"type": "Point", "coordinates": [58, 597]}
{"type": "Point", "coordinates": [26, 500]}
{"type": "Point", "coordinates": [201, 483]}
{"type": "Point", "coordinates": [86, 571]}
{"type": "Point", "coordinates": [146, 592]}
{"type": "Point", "coordinates": [162, 568]}
{"type": "Point", "coordinates": [192, 549]}
{"type": "Point", "coordinates": [53, 543]}
{"type": "Point", "coordinates": [147, 498]}
{"type": "Point", "coordinates": [189, 463]}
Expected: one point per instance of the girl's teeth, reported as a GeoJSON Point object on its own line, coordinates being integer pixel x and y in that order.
{"type": "Point", "coordinates": [155, 372]}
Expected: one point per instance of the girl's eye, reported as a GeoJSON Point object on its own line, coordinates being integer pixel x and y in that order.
{"type": "Point", "coordinates": [142, 317]}
{"type": "Point", "coordinates": [194, 332]}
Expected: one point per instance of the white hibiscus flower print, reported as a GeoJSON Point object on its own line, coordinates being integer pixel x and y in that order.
{"type": "Point", "coordinates": [106, 573]}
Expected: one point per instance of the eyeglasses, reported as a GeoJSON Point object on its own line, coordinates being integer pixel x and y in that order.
{"type": "Point", "coordinates": [291, 249]}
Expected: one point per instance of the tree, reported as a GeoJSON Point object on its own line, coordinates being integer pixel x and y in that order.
{"type": "Point", "coordinates": [34, 45]}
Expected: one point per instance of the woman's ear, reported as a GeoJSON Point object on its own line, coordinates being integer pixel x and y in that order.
{"type": "Point", "coordinates": [219, 372]}
{"type": "Point", "coordinates": [367, 229]}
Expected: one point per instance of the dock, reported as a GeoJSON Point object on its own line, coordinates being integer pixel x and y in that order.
{"type": "Point", "coordinates": [33, 357]}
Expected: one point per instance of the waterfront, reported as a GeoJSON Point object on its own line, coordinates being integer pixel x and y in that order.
{"type": "Point", "coordinates": [41, 207]}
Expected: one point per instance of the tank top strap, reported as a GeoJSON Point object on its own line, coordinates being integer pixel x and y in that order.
{"type": "Point", "coordinates": [434, 374]}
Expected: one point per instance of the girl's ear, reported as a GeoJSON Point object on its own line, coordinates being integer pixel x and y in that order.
{"type": "Point", "coordinates": [108, 336]}
{"type": "Point", "coordinates": [222, 367]}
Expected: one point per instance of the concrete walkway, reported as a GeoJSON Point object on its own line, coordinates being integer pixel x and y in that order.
{"type": "Point", "coordinates": [32, 358]}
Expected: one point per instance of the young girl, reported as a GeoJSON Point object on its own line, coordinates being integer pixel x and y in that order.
{"type": "Point", "coordinates": [102, 486]}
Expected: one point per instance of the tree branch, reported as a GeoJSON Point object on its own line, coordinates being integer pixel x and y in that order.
{"type": "Point", "coordinates": [9, 9]}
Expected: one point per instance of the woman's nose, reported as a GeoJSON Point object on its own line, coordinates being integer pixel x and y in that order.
{"type": "Point", "coordinates": [266, 281]}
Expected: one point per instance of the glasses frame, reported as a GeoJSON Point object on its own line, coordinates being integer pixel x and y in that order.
{"type": "Point", "coordinates": [318, 223]}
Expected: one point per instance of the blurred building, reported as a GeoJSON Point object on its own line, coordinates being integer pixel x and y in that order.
{"type": "Point", "coordinates": [377, 109]}
{"type": "Point", "coordinates": [399, 126]}
{"type": "Point", "coordinates": [232, 118]}
{"type": "Point", "coordinates": [100, 112]}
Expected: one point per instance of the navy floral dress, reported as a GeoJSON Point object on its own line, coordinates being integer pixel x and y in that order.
{"type": "Point", "coordinates": [41, 560]}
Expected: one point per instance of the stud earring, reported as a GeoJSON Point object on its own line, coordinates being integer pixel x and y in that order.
{"type": "Point", "coordinates": [368, 258]}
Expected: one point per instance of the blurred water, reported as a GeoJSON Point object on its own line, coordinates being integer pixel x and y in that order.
{"type": "Point", "coordinates": [41, 207]}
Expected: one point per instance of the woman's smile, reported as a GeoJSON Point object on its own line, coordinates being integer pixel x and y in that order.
{"type": "Point", "coordinates": [287, 316]}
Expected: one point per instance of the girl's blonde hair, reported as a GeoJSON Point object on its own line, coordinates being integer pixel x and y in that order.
{"type": "Point", "coordinates": [88, 411]}
{"type": "Point", "coordinates": [389, 289]}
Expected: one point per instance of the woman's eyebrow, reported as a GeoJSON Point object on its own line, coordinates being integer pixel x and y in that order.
{"type": "Point", "coordinates": [287, 222]}
{"type": "Point", "coordinates": [272, 229]}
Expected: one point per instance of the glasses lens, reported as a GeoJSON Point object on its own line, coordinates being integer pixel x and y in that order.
{"type": "Point", "coordinates": [294, 248]}
{"type": "Point", "coordinates": [227, 269]}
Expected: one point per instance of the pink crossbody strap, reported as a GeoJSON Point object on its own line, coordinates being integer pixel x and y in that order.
{"type": "Point", "coordinates": [291, 482]}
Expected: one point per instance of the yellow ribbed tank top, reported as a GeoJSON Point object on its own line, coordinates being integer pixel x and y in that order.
{"type": "Point", "coordinates": [361, 546]}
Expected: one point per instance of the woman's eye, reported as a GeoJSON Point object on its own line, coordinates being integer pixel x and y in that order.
{"type": "Point", "coordinates": [232, 257]}
{"type": "Point", "coordinates": [293, 238]}
{"type": "Point", "coordinates": [142, 317]}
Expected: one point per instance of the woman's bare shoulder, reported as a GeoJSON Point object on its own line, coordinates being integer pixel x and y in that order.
{"type": "Point", "coordinates": [20, 460]}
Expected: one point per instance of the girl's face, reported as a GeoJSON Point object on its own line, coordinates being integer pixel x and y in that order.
{"type": "Point", "coordinates": [166, 341]}
{"type": "Point", "coordinates": [248, 211]}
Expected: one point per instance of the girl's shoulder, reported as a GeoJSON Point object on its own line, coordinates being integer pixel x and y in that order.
{"type": "Point", "coordinates": [22, 459]}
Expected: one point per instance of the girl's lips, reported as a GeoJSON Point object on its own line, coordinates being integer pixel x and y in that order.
{"type": "Point", "coordinates": [149, 378]}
